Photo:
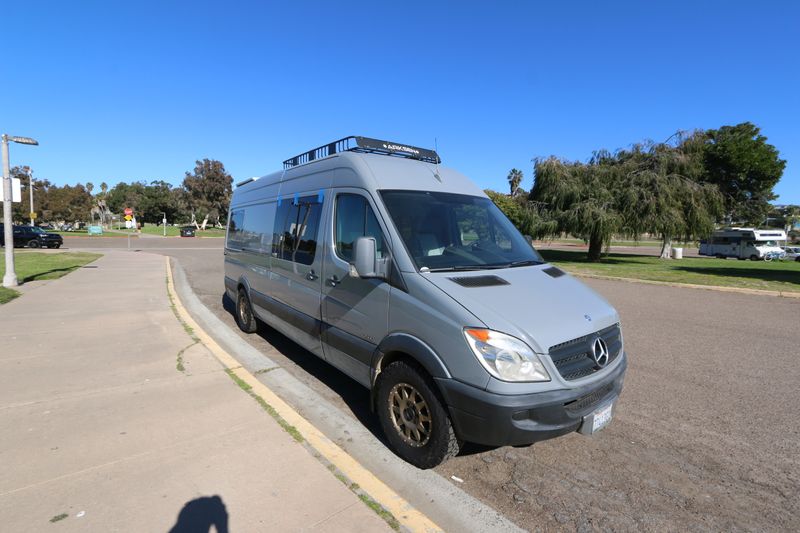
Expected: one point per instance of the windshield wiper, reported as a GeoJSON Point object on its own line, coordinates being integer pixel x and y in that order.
{"type": "Point", "coordinates": [457, 268]}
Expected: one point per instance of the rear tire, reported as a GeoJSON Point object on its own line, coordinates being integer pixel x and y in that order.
{"type": "Point", "coordinates": [413, 418]}
{"type": "Point", "coordinates": [33, 243]}
{"type": "Point", "coordinates": [753, 257]}
{"type": "Point", "coordinates": [245, 318]}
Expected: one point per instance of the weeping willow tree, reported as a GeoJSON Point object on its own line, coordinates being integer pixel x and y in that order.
{"type": "Point", "coordinates": [660, 193]}
{"type": "Point", "coordinates": [582, 198]}
{"type": "Point", "coordinates": [529, 217]}
{"type": "Point", "coordinates": [648, 188]}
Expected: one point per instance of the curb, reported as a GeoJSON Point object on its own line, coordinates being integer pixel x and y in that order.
{"type": "Point", "coordinates": [718, 288]}
{"type": "Point", "coordinates": [409, 518]}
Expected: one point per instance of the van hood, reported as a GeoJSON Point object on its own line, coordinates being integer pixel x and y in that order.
{"type": "Point", "coordinates": [541, 304]}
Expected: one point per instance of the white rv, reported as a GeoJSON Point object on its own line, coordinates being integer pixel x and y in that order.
{"type": "Point", "coordinates": [744, 243]}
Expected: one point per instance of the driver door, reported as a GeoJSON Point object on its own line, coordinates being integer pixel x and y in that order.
{"type": "Point", "coordinates": [355, 311]}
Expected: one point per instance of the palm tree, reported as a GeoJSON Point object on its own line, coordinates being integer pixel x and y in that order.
{"type": "Point", "coordinates": [514, 180]}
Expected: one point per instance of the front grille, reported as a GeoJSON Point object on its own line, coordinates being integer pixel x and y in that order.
{"type": "Point", "coordinates": [573, 358]}
{"type": "Point", "coordinates": [590, 400]}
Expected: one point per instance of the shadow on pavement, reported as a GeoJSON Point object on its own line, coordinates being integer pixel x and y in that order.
{"type": "Point", "coordinates": [784, 275]}
{"type": "Point", "coordinates": [198, 515]}
{"type": "Point", "coordinates": [355, 396]}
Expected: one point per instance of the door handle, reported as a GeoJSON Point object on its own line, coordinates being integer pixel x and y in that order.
{"type": "Point", "coordinates": [333, 281]}
{"type": "Point", "coordinates": [310, 276]}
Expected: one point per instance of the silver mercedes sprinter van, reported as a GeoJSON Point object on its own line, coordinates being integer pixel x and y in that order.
{"type": "Point", "coordinates": [406, 277]}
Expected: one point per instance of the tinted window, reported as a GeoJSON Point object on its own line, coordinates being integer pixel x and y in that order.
{"type": "Point", "coordinates": [296, 225]}
{"type": "Point", "coordinates": [251, 228]}
{"type": "Point", "coordinates": [236, 229]}
{"type": "Point", "coordinates": [354, 219]}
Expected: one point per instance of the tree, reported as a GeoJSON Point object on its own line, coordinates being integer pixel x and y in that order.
{"type": "Point", "coordinates": [124, 195]}
{"type": "Point", "coordinates": [660, 194]}
{"type": "Point", "coordinates": [69, 203]}
{"type": "Point", "coordinates": [527, 216]}
{"type": "Point", "coordinates": [745, 167]}
{"type": "Point", "coordinates": [514, 180]}
{"type": "Point", "coordinates": [582, 198]}
{"type": "Point", "coordinates": [208, 191]}
{"type": "Point", "coordinates": [158, 200]}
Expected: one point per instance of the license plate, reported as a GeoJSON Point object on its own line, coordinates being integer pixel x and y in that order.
{"type": "Point", "coordinates": [602, 417]}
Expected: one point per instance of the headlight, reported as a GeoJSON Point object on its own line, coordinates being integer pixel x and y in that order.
{"type": "Point", "coordinates": [505, 357]}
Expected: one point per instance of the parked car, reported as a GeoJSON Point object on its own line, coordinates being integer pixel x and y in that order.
{"type": "Point", "coordinates": [32, 237]}
{"type": "Point", "coordinates": [187, 231]}
{"type": "Point", "coordinates": [792, 252]}
{"type": "Point", "coordinates": [406, 277]}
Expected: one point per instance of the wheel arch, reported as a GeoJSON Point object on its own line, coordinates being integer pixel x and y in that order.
{"type": "Point", "coordinates": [405, 347]}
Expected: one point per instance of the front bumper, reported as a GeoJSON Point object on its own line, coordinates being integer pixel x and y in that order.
{"type": "Point", "coordinates": [500, 420]}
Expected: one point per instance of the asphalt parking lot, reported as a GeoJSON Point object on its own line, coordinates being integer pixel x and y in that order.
{"type": "Point", "coordinates": [706, 435]}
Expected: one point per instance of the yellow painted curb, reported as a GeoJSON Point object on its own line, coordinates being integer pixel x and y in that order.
{"type": "Point", "coordinates": [720, 288]}
{"type": "Point", "coordinates": [409, 518]}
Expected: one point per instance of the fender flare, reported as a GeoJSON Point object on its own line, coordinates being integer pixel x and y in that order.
{"type": "Point", "coordinates": [233, 285]}
{"type": "Point", "coordinates": [415, 348]}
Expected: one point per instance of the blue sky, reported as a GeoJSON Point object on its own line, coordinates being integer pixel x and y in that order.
{"type": "Point", "coordinates": [121, 91]}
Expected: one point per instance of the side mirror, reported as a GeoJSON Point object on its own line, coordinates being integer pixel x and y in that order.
{"type": "Point", "coordinates": [365, 263]}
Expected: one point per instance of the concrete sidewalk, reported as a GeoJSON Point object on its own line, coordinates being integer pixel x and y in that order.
{"type": "Point", "coordinates": [99, 425]}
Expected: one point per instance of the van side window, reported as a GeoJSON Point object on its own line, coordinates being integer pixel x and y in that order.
{"type": "Point", "coordinates": [296, 225]}
{"type": "Point", "coordinates": [251, 228]}
{"type": "Point", "coordinates": [236, 229]}
{"type": "Point", "coordinates": [354, 218]}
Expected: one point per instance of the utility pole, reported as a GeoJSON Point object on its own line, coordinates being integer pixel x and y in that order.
{"type": "Point", "coordinates": [10, 277]}
{"type": "Point", "coordinates": [30, 187]}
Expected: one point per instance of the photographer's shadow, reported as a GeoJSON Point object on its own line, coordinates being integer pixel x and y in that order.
{"type": "Point", "coordinates": [198, 515]}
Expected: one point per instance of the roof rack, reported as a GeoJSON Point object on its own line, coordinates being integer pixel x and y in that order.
{"type": "Point", "coordinates": [364, 145]}
{"type": "Point", "coordinates": [248, 180]}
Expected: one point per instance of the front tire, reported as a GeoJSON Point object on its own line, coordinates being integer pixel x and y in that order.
{"type": "Point", "coordinates": [33, 243]}
{"type": "Point", "coordinates": [413, 418]}
{"type": "Point", "coordinates": [245, 318]}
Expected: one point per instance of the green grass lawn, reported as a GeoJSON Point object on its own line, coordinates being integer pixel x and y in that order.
{"type": "Point", "coordinates": [84, 233]}
{"type": "Point", "coordinates": [76, 233]}
{"type": "Point", "coordinates": [774, 276]}
{"type": "Point", "coordinates": [175, 231]}
{"type": "Point", "coordinates": [624, 243]}
{"type": "Point", "coordinates": [33, 266]}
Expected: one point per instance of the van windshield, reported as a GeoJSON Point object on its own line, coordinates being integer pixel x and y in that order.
{"type": "Point", "coordinates": [445, 231]}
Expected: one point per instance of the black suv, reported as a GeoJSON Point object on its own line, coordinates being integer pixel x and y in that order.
{"type": "Point", "coordinates": [32, 237]}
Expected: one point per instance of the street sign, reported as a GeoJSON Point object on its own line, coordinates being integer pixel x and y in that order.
{"type": "Point", "coordinates": [32, 215]}
{"type": "Point", "coordinates": [128, 212]}
{"type": "Point", "coordinates": [16, 190]}
{"type": "Point", "coordinates": [128, 217]}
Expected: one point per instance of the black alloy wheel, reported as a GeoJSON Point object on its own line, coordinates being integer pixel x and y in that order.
{"type": "Point", "coordinates": [245, 318]}
{"type": "Point", "coordinates": [413, 417]}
